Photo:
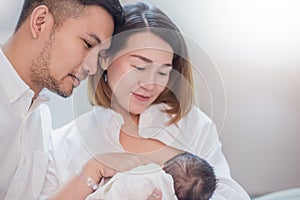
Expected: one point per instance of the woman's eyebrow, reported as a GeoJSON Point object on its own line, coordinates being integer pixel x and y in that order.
{"type": "Point", "coordinates": [147, 60]}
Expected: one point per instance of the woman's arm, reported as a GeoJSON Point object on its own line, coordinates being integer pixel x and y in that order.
{"type": "Point", "coordinates": [79, 187]}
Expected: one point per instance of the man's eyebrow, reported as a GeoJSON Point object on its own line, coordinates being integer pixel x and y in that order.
{"type": "Point", "coordinates": [147, 60]}
{"type": "Point", "coordinates": [95, 37]}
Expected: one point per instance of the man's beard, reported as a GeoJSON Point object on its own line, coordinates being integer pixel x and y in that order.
{"type": "Point", "coordinates": [40, 74]}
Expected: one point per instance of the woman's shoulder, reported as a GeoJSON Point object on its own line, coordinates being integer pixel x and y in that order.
{"type": "Point", "coordinates": [70, 129]}
{"type": "Point", "coordinates": [67, 150]}
{"type": "Point", "coordinates": [84, 129]}
{"type": "Point", "coordinates": [196, 115]}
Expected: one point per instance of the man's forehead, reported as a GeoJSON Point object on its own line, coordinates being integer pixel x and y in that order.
{"type": "Point", "coordinates": [98, 23]}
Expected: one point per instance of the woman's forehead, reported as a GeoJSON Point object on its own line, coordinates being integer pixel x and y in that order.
{"type": "Point", "coordinates": [146, 44]}
{"type": "Point", "coordinates": [146, 40]}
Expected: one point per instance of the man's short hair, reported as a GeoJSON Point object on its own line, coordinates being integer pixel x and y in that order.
{"type": "Point", "coordinates": [64, 9]}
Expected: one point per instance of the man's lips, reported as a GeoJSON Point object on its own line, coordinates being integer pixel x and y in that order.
{"type": "Point", "coordinates": [76, 80]}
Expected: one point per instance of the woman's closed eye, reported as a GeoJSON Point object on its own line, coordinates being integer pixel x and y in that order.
{"type": "Point", "coordinates": [163, 73]}
{"type": "Point", "coordinates": [139, 68]}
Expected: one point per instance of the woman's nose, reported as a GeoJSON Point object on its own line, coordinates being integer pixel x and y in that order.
{"type": "Point", "coordinates": [147, 82]}
{"type": "Point", "coordinates": [148, 86]}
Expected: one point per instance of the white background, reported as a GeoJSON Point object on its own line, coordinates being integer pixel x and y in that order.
{"type": "Point", "coordinates": [255, 45]}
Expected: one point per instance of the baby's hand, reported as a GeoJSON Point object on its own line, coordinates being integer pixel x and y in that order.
{"type": "Point", "coordinates": [156, 195]}
{"type": "Point", "coordinates": [98, 170]}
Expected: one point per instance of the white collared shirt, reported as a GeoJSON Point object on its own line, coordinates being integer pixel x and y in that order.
{"type": "Point", "coordinates": [23, 128]}
{"type": "Point", "coordinates": [98, 131]}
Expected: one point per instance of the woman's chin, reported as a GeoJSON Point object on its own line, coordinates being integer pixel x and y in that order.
{"type": "Point", "coordinates": [137, 110]}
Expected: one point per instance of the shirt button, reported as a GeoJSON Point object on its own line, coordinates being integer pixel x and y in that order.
{"type": "Point", "coordinates": [24, 161]}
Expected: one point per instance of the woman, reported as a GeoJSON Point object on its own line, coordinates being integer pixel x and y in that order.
{"type": "Point", "coordinates": [143, 103]}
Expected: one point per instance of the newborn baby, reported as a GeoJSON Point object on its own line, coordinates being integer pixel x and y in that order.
{"type": "Point", "coordinates": [185, 176]}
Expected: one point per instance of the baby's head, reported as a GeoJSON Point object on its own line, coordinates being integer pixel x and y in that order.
{"type": "Point", "coordinates": [193, 177]}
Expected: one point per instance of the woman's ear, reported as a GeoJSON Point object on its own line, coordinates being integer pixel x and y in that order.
{"type": "Point", "coordinates": [40, 19]}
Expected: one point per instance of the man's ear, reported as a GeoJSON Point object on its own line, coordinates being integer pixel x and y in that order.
{"type": "Point", "coordinates": [40, 19]}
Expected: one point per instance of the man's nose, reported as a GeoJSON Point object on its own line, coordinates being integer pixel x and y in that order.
{"type": "Point", "coordinates": [89, 68]}
{"type": "Point", "coordinates": [90, 62]}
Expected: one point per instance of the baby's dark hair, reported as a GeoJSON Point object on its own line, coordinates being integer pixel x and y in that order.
{"type": "Point", "coordinates": [194, 178]}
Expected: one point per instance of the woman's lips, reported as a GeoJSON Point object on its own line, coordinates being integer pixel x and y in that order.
{"type": "Point", "coordinates": [141, 97]}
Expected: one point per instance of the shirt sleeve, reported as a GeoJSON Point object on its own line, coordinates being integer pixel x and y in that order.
{"type": "Point", "coordinates": [208, 146]}
{"type": "Point", "coordinates": [51, 184]}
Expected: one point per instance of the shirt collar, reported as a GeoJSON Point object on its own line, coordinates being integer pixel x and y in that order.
{"type": "Point", "coordinates": [152, 123]}
{"type": "Point", "coordinates": [151, 117]}
{"type": "Point", "coordinates": [11, 82]}
{"type": "Point", "coordinates": [108, 117]}
{"type": "Point", "coordinates": [41, 98]}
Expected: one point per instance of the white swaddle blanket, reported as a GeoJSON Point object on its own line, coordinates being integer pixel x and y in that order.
{"type": "Point", "coordinates": [136, 184]}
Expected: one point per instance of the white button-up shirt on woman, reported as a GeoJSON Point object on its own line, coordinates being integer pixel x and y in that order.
{"type": "Point", "coordinates": [98, 132]}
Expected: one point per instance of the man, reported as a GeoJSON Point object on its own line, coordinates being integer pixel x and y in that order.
{"type": "Point", "coordinates": [47, 49]}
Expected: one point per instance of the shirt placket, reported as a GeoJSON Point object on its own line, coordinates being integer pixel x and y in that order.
{"type": "Point", "coordinates": [21, 177]}
{"type": "Point", "coordinates": [18, 185]}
